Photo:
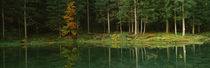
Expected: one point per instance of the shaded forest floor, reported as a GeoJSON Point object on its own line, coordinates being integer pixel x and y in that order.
{"type": "Point", "coordinates": [124, 38]}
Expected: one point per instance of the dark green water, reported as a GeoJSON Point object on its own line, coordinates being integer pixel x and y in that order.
{"type": "Point", "coordinates": [95, 56]}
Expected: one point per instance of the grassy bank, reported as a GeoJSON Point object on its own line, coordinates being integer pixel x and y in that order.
{"type": "Point", "coordinates": [148, 38]}
{"type": "Point", "coordinates": [161, 38]}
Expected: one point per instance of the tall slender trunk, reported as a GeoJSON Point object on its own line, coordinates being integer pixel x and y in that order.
{"type": "Point", "coordinates": [132, 26]}
{"type": "Point", "coordinates": [129, 26]}
{"type": "Point", "coordinates": [135, 18]}
{"type": "Point", "coordinates": [141, 26]}
{"type": "Point", "coordinates": [144, 29]}
{"type": "Point", "coordinates": [167, 27]}
{"type": "Point", "coordinates": [108, 22]}
{"type": "Point", "coordinates": [25, 24]}
{"type": "Point", "coordinates": [120, 27]}
{"type": "Point", "coordinates": [175, 28]}
{"type": "Point", "coordinates": [193, 28]}
{"type": "Point", "coordinates": [88, 17]}
{"type": "Point", "coordinates": [183, 21]}
{"type": "Point", "coordinates": [104, 27]}
{"type": "Point", "coordinates": [199, 29]}
{"type": "Point", "coordinates": [19, 30]}
{"type": "Point", "coordinates": [117, 27]}
{"type": "Point", "coordinates": [59, 30]}
{"type": "Point", "coordinates": [3, 22]}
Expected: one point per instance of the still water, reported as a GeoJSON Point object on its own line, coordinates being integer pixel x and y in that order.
{"type": "Point", "coordinates": [105, 56]}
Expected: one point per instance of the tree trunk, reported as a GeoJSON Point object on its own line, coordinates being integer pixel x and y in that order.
{"type": "Point", "coordinates": [175, 28]}
{"type": "Point", "coordinates": [104, 27]}
{"type": "Point", "coordinates": [144, 29]}
{"type": "Point", "coordinates": [19, 29]}
{"type": "Point", "coordinates": [117, 27]}
{"type": "Point", "coordinates": [141, 26]}
{"type": "Point", "coordinates": [183, 21]}
{"type": "Point", "coordinates": [167, 27]}
{"type": "Point", "coordinates": [132, 26]}
{"type": "Point", "coordinates": [120, 27]}
{"type": "Point", "coordinates": [3, 22]}
{"type": "Point", "coordinates": [25, 24]}
{"type": "Point", "coordinates": [60, 31]}
{"type": "Point", "coordinates": [135, 18]}
{"type": "Point", "coordinates": [199, 29]}
{"type": "Point", "coordinates": [108, 22]}
{"type": "Point", "coordinates": [88, 17]}
{"type": "Point", "coordinates": [129, 26]}
{"type": "Point", "coordinates": [193, 28]}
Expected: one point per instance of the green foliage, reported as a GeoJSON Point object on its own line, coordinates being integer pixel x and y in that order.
{"type": "Point", "coordinates": [148, 11]}
{"type": "Point", "coordinates": [123, 11]}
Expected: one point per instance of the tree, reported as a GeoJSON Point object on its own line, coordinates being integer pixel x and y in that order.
{"type": "Point", "coordinates": [166, 12]}
{"type": "Point", "coordinates": [55, 11]}
{"type": "Point", "coordinates": [148, 13]}
{"type": "Point", "coordinates": [3, 20]}
{"type": "Point", "coordinates": [101, 15]}
{"type": "Point", "coordinates": [25, 20]}
{"type": "Point", "coordinates": [175, 9]}
{"type": "Point", "coordinates": [108, 16]}
{"type": "Point", "coordinates": [135, 18]}
{"type": "Point", "coordinates": [123, 12]}
{"type": "Point", "coordinates": [71, 26]}
{"type": "Point", "coordinates": [88, 16]}
{"type": "Point", "coordinates": [186, 7]}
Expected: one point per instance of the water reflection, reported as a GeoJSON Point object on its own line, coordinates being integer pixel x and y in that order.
{"type": "Point", "coordinates": [137, 65]}
{"type": "Point", "coordinates": [26, 56]}
{"type": "Point", "coordinates": [70, 56]}
{"type": "Point", "coordinates": [184, 52]}
{"type": "Point", "coordinates": [109, 57]}
{"type": "Point", "coordinates": [4, 58]}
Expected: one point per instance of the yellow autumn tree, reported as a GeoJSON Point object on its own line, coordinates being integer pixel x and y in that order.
{"type": "Point", "coordinates": [70, 28]}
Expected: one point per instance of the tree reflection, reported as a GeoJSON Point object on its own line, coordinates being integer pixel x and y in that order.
{"type": "Point", "coordinates": [71, 55]}
{"type": "Point", "coordinates": [3, 57]}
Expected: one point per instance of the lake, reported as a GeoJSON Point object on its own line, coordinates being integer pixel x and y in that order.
{"type": "Point", "coordinates": [105, 56]}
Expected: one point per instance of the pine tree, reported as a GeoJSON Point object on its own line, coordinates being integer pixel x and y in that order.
{"type": "Point", "coordinates": [123, 13]}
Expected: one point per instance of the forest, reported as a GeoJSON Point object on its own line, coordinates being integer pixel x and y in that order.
{"type": "Point", "coordinates": [116, 20]}
{"type": "Point", "coordinates": [104, 33]}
